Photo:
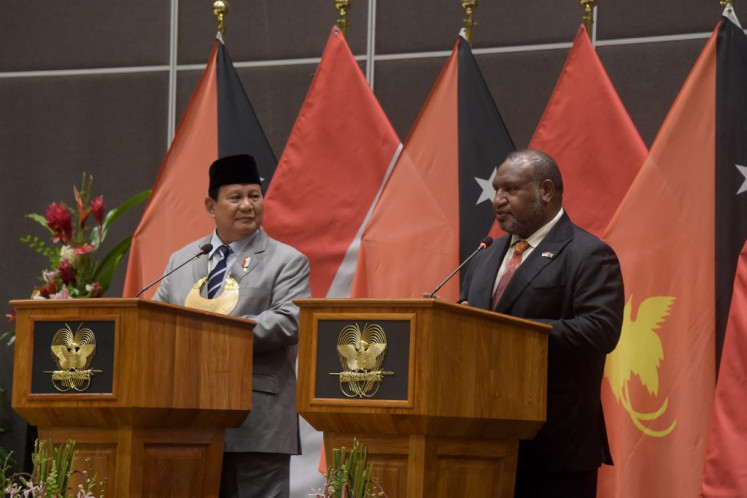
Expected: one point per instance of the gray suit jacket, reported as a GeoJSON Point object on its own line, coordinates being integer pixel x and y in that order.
{"type": "Point", "coordinates": [276, 275]}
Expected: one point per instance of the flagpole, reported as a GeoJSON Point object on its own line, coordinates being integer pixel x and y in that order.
{"type": "Point", "coordinates": [342, 6]}
{"type": "Point", "coordinates": [469, 22]}
{"type": "Point", "coordinates": [220, 9]}
{"type": "Point", "coordinates": [588, 19]}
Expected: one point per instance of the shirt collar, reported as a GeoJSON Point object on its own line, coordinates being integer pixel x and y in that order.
{"type": "Point", "coordinates": [237, 246]}
{"type": "Point", "coordinates": [540, 234]}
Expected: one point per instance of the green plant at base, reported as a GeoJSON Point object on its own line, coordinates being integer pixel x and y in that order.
{"type": "Point", "coordinates": [351, 476]}
{"type": "Point", "coordinates": [51, 475]}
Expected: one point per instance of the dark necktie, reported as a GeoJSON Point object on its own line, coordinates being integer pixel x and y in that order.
{"type": "Point", "coordinates": [215, 279]}
{"type": "Point", "coordinates": [513, 264]}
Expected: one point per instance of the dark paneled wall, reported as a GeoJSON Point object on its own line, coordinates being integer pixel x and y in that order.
{"type": "Point", "coordinates": [84, 85]}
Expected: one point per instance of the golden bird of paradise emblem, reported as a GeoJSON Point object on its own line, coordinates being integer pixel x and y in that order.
{"type": "Point", "coordinates": [640, 352]}
{"type": "Point", "coordinates": [361, 354]}
{"type": "Point", "coordinates": [73, 353]}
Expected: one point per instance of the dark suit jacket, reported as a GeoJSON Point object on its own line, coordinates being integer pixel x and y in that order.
{"type": "Point", "coordinates": [276, 275]}
{"type": "Point", "coordinates": [572, 281]}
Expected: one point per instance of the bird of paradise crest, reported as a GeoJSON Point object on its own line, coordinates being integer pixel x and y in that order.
{"type": "Point", "coordinates": [640, 352]}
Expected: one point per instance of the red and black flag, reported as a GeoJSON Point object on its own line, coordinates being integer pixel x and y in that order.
{"type": "Point", "coordinates": [726, 456]}
{"type": "Point", "coordinates": [669, 236]}
{"type": "Point", "coordinates": [218, 121]}
{"type": "Point", "coordinates": [437, 203]}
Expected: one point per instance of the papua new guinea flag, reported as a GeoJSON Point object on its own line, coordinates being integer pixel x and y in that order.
{"type": "Point", "coordinates": [668, 235]}
{"type": "Point", "coordinates": [218, 121]}
{"type": "Point", "coordinates": [437, 204]}
{"type": "Point", "coordinates": [726, 454]}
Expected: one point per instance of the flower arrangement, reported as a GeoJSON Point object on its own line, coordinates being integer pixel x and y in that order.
{"type": "Point", "coordinates": [350, 475]}
{"type": "Point", "coordinates": [52, 474]}
{"type": "Point", "coordinates": [76, 268]}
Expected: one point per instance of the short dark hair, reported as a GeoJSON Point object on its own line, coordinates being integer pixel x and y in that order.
{"type": "Point", "coordinates": [545, 167]}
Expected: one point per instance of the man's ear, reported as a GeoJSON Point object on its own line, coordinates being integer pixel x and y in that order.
{"type": "Point", "coordinates": [210, 206]}
{"type": "Point", "coordinates": [547, 190]}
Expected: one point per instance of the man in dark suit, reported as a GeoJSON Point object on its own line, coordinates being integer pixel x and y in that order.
{"type": "Point", "coordinates": [549, 270]}
{"type": "Point", "coordinates": [256, 279]}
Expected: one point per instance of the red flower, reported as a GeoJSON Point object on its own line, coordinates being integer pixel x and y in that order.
{"type": "Point", "coordinates": [11, 316]}
{"type": "Point", "coordinates": [94, 289]}
{"type": "Point", "coordinates": [47, 290]}
{"type": "Point", "coordinates": [98, 208]}
{"type": "Point", "coordinates": [82, 215]}
{"type": "Point", "coordinates": [84, 249]}
{"type": "Point", "coordinates": [66, 272]}
{"type": "Point", "coordinates": [60, 222]}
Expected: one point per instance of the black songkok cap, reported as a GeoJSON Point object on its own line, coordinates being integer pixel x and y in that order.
{"type": "Point", "coordinates": [233, 169]}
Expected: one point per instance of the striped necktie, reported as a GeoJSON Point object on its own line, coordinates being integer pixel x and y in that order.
{"type": "Point", "coordinates": [217, 274]}
{"type": "Point", "coordinates": [513, 264]}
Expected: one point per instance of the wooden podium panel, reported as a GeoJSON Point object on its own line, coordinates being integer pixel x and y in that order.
{"type": "Point", "coordinates": [164, 383]}
{"type": "Point", "coordinates": [456, 390]}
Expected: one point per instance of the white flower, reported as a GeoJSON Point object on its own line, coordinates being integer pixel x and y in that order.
{"type": "Point", "coordinates": [68, 253]}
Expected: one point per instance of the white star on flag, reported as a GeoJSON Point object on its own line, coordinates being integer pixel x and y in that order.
{"type": "Point", "coordinates": [743, 170]}
{"type": "Point", "coordinates": [488, 192]}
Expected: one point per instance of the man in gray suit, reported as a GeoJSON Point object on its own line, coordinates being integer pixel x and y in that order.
{"type": "Point", "coordinates": [249, 275]}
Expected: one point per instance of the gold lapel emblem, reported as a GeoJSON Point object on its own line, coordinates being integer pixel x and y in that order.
{"type": "Point", "coordinates": [361, 354]}
{"type": "Point", "coordinates": [73, 353]}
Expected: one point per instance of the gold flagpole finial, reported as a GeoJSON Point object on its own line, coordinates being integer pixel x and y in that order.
{"type": "Point", "coordinates": [220, 9]}
{"type": "Point", "coordinates": [343, 6]}
{"type": "Point", "coordinates": [729, 4]}
{"type": "Point", "coordinates": [469, 22]}
{"type": "Point", "coordinates": [588, 6]}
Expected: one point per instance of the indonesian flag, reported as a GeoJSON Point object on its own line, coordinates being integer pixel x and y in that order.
{"type": "Point", "coordinates": [332, 170]}
{"type": "Point", "coordinates": [219, 121]}
{"type": "Point", "coordinates": [588, 132]}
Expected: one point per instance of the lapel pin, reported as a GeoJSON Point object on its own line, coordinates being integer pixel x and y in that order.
{"type": "Point", "coordinates": [548, 255]}
{"type": "Point", "coordinates": [245, 263]}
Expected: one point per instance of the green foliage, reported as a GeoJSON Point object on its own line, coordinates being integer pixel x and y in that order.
{"type": "Point", "coordinates": [6, 465]}
{"type": "Point", "coordinates": [6, 462]}
{"type": "Point", "coordinates": [39, 246]}
{"type": "Point", "coordinates": [51, 475]}
{"type": "Point", "coordinates": [53, 466]}
{"type": "Point", "coordinates": [351, 476]}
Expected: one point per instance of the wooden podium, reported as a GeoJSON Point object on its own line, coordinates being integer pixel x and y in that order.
{"type": "Point", "coordinates": [443, 412]}
{"type": "Point", "coordinates": [151, 407]}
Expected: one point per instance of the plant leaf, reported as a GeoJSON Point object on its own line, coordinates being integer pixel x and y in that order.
{"type": "Point", "coordinates": [116, 212]}
{"type": "Point", "coordinates": [42, 220]}
{"type": "Point", "coordinates": [104, 272]}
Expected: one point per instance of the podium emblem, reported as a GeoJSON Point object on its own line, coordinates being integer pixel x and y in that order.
{"type": "Point", "coordinates": [361, 354]}
{"type": "Point", "coordinates": [73, 353]}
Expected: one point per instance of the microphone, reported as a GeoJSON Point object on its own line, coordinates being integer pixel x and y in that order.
{"type": "Point", "coordinates": [484, 244]}
{"type": "Point", "coordinates": [203, 250]}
